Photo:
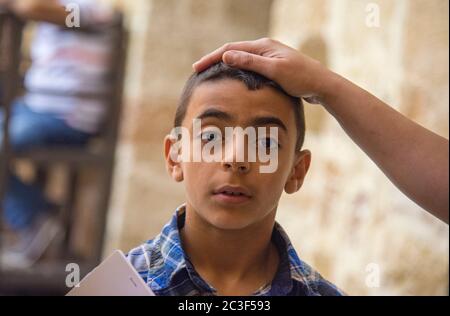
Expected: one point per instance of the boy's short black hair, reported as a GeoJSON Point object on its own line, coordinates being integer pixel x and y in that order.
{"type": "Point", "coordinates": [252, 81]}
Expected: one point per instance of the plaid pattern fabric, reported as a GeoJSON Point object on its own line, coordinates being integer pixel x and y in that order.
{"type": "Point", "coordinates": [162, 263]}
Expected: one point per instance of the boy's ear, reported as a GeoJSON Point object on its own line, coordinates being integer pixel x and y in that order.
{"type": "Point", "coordinates": [298, 173]}
{"type": "Point", "coordinates": [172, 157]}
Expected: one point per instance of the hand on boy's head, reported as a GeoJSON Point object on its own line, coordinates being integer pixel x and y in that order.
{"type": "Point", "coordinates": [298, 74]}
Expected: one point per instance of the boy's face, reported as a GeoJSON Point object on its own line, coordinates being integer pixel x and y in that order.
{"type": "Point", "coordinates": [228, 103]}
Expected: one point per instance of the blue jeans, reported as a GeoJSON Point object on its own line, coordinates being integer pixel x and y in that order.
{"type": "Point", "coordinates": [27, 129]}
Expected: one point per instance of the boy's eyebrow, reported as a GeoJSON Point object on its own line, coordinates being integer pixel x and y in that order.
{"type": "Point", "coordinates": [266, 120]}
{"type": "Point", "coordinates": [214, 113]}
{"type": "Point", "coordinates": [258, 121]}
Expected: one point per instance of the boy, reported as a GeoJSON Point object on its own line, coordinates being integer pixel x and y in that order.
{"type": "Point", "coordinates": [224, 240]}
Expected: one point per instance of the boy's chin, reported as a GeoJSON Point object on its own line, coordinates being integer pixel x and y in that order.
{"type": "Point", "coordinates": [229, 221]}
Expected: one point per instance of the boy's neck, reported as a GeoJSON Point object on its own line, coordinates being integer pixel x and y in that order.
{"type": "Point", "coordinates": [235, 262]}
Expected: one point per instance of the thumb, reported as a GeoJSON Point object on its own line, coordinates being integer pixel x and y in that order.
{"type": "Point", "coordinates": [248, 61]}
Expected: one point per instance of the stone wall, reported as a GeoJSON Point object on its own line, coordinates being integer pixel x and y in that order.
{"type": "Point", "coordinates": [348, 220]}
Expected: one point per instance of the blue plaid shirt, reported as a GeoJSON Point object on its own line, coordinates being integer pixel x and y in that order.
{"type": "Point", "coordinates": [163, 265]}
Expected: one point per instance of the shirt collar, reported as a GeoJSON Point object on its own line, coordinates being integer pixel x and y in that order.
{"type": "Point", "coordinates": [175, 263]}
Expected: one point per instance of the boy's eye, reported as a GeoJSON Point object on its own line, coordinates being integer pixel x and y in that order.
{"type": "Point", "coordinates": [209, 136]}
{"type": "Point", "coordinates": [268, 143]}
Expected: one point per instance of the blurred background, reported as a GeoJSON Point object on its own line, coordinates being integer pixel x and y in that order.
{"type": "Point", "coordinates": [348, 221]}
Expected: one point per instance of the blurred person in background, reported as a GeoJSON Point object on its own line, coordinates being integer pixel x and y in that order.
{"type": "Point", "coordinates": [62, 105]}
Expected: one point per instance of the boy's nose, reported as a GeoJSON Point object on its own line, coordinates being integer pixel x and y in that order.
{"type": "Point", "coordinates": [234, 156]}
{"type": "Point", "coordinates": [238, 167]}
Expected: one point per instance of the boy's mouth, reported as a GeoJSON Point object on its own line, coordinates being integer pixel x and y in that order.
{"type": "Point", "coordinates": [232, 194]}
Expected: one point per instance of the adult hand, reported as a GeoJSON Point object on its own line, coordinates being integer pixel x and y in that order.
{"type": "Point", "coordinates": [298, 74]}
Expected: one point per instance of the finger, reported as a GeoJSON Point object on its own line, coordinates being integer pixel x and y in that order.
{"type": "Point", "coordinates": [248, 61]}
{"type": "Point", "coordinates": [216, 56]}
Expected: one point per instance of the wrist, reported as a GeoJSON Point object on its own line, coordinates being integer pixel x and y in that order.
{"type": "Point", "coordinates": [329, 84]}
{"type": "Point", "coordinates": [25, 8]}
{"type": "Point", "coordinates": [6, 4]}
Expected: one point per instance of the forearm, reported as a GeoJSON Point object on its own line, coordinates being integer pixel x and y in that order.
{"type": "Point", "coordinates": [414, 158]}
{"type": "Point", "coordinates": [39, 10]}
